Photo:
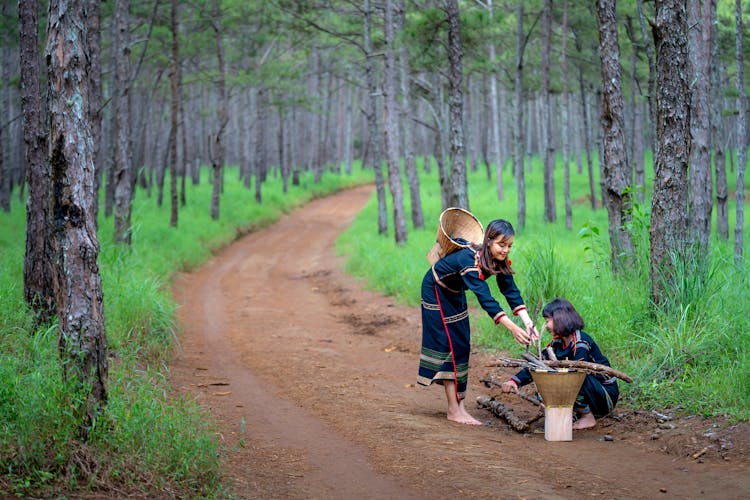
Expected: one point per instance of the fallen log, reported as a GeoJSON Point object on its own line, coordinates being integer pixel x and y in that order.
{"type": "Point", "coordinates": [502, 411]}
{"type": "Point", "coordinates": [491, 381]}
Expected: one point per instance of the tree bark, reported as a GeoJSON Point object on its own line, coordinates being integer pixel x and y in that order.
{"type": "Point", "coordinates": [372, 121]}
{"type": "Point", "coordinates": [652, 104]}
{"type": "Point", "coordinates": [616, 178]}
{"type": "Point", "coordinates": [391, 137]}
{"type": "Point", "coordinates": [77, 284]}
{"type": "Point", "coordinates": [410, 167]}
{"type": "Point", "coordinates": [94, 38]}
{"type": "Point", "coordinates": [741, 136]}
{"type": "Point", "coordinates": [37, 270]}
{"type": "Point", "coordinates": [518, 136]}
{"type": "Point", "coordinates": [457, 184]}
{"type": "Point", "coordinates": [260, 146]}
{"type": "Point", "coordinates": [217, 148]}
{"type": "Point", "coordinates": [550, 210]}
{"type": "Point", "coordinates": [122, 167]}
{"type": "Point", "coordinates": [174, 106]}
{"type": "Point", "coordinates": [699, 176]}
{"type": "Point", "coordinates": [669, 199]}
{"type": "Point", "coordinates": [495, 157]}
{"type": "Point", "coordinates": [565, 119]}
{"type": "Point", "coordinates": [717, 130]}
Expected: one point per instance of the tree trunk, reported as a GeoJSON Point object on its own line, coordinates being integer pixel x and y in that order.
{"type": "Point", "coordinates": [6, 170]}
{"type": "Point", "coordinates": [652, 104]}
{"type": "Point", "coordinates": [457, 184]}
{"type": "Point", "coordinates": [495, 116]}
{"type": "Point", "coordinates": [260, 146]}
{"type": "Point", "coordinates": [77, 284]}
{"type": "Point", "coordinates": [410, 166]}
{"type": "Point", "coordinates": [93, 19]}
{"type": "Point", "coordinates": [122, 167]}
{"type": "Point", "coordinates": [669, 199]}
{"type": "Point", "coordinates": [741, 136]}
{"type": "Point", "coordinates": [518, 135]}
{"type": "Point", "coordinates": [616, 177]}
{"type": "Point", "coordinates": [566, 119]}
{"type": "Point", "coordinates": [717, 130]}
{"type": "Point", "coordinates": [550, 211]}
{"type": "Point", "coordinates": [217, 153]}
{"type": "Point", "coordinates": [372, 121]}
{"type": "Point", "coordinates": [390, 129]}
{"type": "Point", "coordinates": [699, 177]}
{"type": "Point", "coordinates": [174, 106]}
{"type": "Point", "coordinates": [585, 117]}
{"type": "Point", "coordinates": [37, 269]}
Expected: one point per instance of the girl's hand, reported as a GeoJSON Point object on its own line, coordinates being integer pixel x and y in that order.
{"type": "Point", "coordinates": [509, 386]}
{"type": "Point", "coordinates": [532, 332]}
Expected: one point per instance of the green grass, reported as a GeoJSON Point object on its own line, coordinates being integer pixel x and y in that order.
{"type": "Point", "coordinates": [690, 353]}
{"type": "Point", "coordinates": [147, 442]}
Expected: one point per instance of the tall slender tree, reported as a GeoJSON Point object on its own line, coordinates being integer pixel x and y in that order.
{"type": "Point", "coordinates": [216, 146]}
{"type": "Point", "coordinates": [173, 113]}
{"type": "Point", "coordinates": [390, 128]}
{"type": "Point", "coordinates": [37, 270]}
{"type": "Point", "coordinates": [700, 188]}
{"type": "Point", "coordinates": [717, 130]}
{"type": "Point", "coordinates": [94, 40]}
{"type": "Point", "coordinates": [458, 189]}
{"type": "Point", "coordinates": [741, 135]}
{"type": "Point", "coordinates": [373, 124]}
{"type": "Point", "coordinates": [616, 178]}
{"type": "Point", "coordinates": [669, 198]}
{"type": "Point", "coordinates": [548, 153]}
{"type": "Point", "coordinates": [77, 283]}
{"type": "Point", "coordinates": [410, 167]}
{"type": "Point", "coordinates": [518, 136]}
{"type": "Point", "coordinates": [564, 111]}
{"type": "Point", "coordinates": [122, 167]}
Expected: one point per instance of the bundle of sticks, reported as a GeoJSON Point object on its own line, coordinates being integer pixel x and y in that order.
{"type": "Point", "coordinates": [533, 362]}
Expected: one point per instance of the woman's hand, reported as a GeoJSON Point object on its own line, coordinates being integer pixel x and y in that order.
{"type": "Point", "coordinates": [520, 335]}
{"type": "Point", "coordinates": [509, 386]}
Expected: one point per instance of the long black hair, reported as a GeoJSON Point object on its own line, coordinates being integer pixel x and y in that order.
{"type": "Point", "coordinates": [490, 265]}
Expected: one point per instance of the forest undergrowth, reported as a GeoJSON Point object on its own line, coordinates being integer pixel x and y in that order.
{"type": "Point", "coordinates": [40, 453]}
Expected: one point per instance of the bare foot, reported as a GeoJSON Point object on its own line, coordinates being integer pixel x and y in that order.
{"type": "Point", "coordinates": [463, 418]}
{"type": "Point", "coordinates": [585, 421]}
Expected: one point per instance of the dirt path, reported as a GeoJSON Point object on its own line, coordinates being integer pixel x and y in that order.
{"type": "Point", "coordinates": [312, 381]}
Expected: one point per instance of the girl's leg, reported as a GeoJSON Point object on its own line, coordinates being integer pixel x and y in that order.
{"type": "Point", "coordinates": [456, 410]}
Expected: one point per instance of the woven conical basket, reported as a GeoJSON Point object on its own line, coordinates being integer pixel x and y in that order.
{"type": "Point", "coordinates": [558, 388]}
{"type": "Point", "coordinates": [455, 223]}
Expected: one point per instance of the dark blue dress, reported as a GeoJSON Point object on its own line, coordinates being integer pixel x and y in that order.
{"type": "Point", "coordinates": [446, 337]}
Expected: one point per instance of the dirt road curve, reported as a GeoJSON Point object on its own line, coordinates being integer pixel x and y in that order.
{"type": "Point", "coordinates": [312, 381]}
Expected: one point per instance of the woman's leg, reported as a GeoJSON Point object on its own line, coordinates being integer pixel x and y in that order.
{"type": "Point", "coordinates": [456, 410]}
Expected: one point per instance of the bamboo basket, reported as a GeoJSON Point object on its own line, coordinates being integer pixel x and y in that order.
{"type": "Point", "coordinates": [454, 223]}
{"type": "Point", "coordinates": [559, 390]}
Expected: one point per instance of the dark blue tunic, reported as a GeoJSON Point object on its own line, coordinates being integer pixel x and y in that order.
{"type": "Point", "coordinates": [598, 394]}
{"type": "Point", "coordinates": [446, 333]}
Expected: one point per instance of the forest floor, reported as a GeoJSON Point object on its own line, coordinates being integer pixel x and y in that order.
{"type": "Point", "coordinates": [311, 379]}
